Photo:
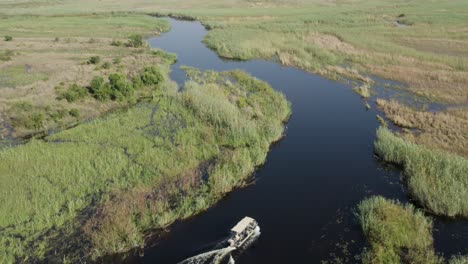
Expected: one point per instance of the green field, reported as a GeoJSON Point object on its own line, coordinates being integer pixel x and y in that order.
{"type": "Point", "coordinates": [105, 25]}
{"type": "Point", "coordinates": [160, 150]}
{"type": "Point", "coordinates": [399, 40]}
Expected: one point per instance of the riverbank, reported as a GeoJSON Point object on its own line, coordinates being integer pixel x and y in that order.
{"type": "Point", "coordinates": [157, 162]}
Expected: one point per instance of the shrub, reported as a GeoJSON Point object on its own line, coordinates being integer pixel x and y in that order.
{"type": "Point", "coordinates": [74, 112]}
{"type": "Point", "coordinates": [121, 88]}
{"type": "Point", "coordinates": [100, 89]}
{"type": "Point", "coordinates": [152, 76]}
{"type": "Point", "coordinates": [116, 43]}
{"type": "Point", "coordinates": [94, 60]}
{"type": "Point", "coordinates": [37, 120]}
{"type": "Point", "coordinates": [135, 41]}
{"type": "Point", "coordinates": [75, 92]}
{"type": "Point", "coordinates": [8, 38]}
{"type": "Point", "coordinates": [56, 115]}
{"type": "Point", "coordinates": [106, 65]}
{"type": "Point", "coordinates": [137, 83]}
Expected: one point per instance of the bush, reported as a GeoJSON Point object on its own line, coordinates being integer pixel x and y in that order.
{"type": "Point", "coordinates": [37, 120]}
{"type": "Point", "coordinates": [152, 76]}
{"type": "Point", "coordinates": [116, 43]}
{"type": "Point", "coordinates": [100, 89]}
{"type": "Point", "coordinates": [8, 38]}
{"type": "Point", "coordinates": [106, 65]}
{"type": "Point", "coordinates": [74, 112]}
{"type": "Point", "coordinates": [94, 60]}
{"type": "Point", "coordinates": [137, 83]}
{"type": "Point", "coordinates": [75, 92]}
{"type": "Point", "coordinates": [121, 88]}
{"type": "Point", "coordinates": [56, 115]}
{"type": "Point", "coordinates": [135, 41]}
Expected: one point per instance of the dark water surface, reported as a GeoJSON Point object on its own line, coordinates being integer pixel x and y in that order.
{"type": "Point", "coordinates": [304, 196]}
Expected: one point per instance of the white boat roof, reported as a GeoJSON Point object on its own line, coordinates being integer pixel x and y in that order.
{"type": "Point", "coordinates": [242, 224]}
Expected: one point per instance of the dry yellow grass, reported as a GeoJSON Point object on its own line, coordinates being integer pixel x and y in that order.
{"type": "Point", "coordinates": [447, 130]}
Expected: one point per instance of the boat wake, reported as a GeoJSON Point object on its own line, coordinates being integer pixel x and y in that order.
{"type": "Point", "coordinates": [224, 255]}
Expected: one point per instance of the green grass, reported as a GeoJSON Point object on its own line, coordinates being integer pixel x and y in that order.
{"type": "Point", "coordinates": [100, 187]}
{"type": "Point", "coordinates": [459, 260]}
{"type": "Point", "coordinates": [114, 26]}
{"type": "Point", "coordinates": [13, 76]}
{"type": "Point", "coordinates": [363, 91]}
{"type": "Point", "coordinates": [396, 233]}
{"type": "Point", "coordinates": [438, 180]}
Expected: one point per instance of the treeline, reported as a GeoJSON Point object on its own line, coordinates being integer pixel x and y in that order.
{"type": "Point", "coordinates": [117, 87]}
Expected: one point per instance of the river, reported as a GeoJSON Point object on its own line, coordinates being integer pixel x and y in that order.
{"type": "Point", "coordinates": [305, 195]}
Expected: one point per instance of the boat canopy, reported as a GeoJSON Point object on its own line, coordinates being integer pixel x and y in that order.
{"type": "Point", "coordinates": [243, 224]}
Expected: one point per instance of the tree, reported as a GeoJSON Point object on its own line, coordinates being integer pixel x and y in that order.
{"type": "Point", "coordinates": [135, 41]}
{"type": "Point", "coordinates": [152, 76]}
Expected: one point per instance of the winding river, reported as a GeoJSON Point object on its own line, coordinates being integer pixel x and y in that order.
{"type": "Point", "coordinates": [304, 196]}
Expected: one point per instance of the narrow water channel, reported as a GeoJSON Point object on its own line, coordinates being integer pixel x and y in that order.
{"type": "Point", "coordinates": [304, 196]}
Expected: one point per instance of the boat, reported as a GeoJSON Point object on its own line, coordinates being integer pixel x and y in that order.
{"type": "Point", "coordinates": [241, 232]}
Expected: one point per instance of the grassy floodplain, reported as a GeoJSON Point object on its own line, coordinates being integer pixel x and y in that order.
{"type": "Point", "coordinates": [46, 47]}
{"type": "Point", "coordinates": [47, 55]}
{"type": "Point", "coordinates": [98, 188]}
{"type": "Point", "coordinates": [419, 43]}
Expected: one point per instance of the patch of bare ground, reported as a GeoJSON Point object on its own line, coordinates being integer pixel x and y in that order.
{"type": "Point", "coordinates": [447, 130]}
{"type": "Point", "coordinates": [64, 62]}
{"type": "Point", "coordinates": [331, 42]}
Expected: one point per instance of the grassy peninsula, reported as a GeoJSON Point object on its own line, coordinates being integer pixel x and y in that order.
{"type": "Point", "coordinates": [100, 187]}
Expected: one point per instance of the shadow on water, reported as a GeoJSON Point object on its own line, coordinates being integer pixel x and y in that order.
{"type": "Point", "coordinates": [305, 194]}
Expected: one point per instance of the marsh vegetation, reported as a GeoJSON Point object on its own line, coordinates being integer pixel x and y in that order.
{"type": "Point", "coordinates": [436, 179]}
{"type": "Point", "coordinates": [396, 233]}
{"type": "Point", "coordinates": [136, 170]}
{"type": "Point", "coordinates": [141, 168]}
